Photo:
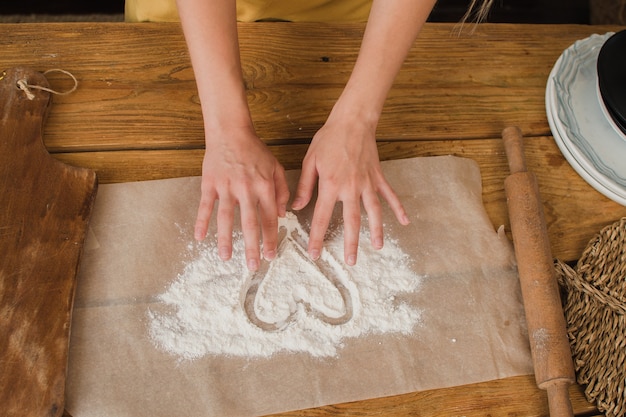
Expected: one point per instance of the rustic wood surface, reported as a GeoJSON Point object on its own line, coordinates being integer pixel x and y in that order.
{"type": "Point", "coordinates": [136, 116]}
{"type": "Point", "coordinates": [45, 212]}
{"type": "Point", "coordinates": [493, 398]}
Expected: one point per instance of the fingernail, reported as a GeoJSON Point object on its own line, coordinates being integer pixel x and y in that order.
{"type": "Point", "coordinates": [197, 234]}
{"type": "Point", "coordinates": [314, 254]}
{"type": "Point", "coordinates": [270, 255]}
{"type": "Point", "coordinates": [351, 260]}
{"type": "Point", "coordinates": [405, 220]}
{"type": "Point", "coordinates": [253, 265]}
{"type": "Point", "coordinates": [378, 243]}
{"type": "Point", "coordinates": [296, 204]}
{"type": "Point", "coordinates": [224, 253]}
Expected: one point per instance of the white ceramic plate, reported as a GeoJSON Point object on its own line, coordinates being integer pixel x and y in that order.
{"type": "Point", "coordinates": [587, 139]}
{"type": "Point", "coordinates": [571, 153]}
{"type": "Point", "coordinates": [572, 156]}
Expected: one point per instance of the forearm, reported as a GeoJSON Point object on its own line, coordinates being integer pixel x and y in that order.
{"type": "Point", "coordinates": [391, 30]}
{"type": "Point", "coordinates": [210, 29]}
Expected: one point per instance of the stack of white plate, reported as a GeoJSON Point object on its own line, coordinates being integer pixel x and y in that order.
{"type": "Point", "coordinates": [584, 131]}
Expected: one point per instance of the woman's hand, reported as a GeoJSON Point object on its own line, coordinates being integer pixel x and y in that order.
{"type": "Point", "coordinates": [238, 169]}
{"type": "Point", "coordinates": [343, 153]}
{"type": "Point", "coordinates": [242, 171]}
{"type": "Point", "coordinates": [344, 156]}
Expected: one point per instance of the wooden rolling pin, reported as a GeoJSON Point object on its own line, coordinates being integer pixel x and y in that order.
{"type": "Point", "coordinates": [552, 359]}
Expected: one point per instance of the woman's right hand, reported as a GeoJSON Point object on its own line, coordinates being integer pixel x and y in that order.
{"type": "Point", "coordinates": [239, 170]}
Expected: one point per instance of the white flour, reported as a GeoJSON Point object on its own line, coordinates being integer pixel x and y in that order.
{"type": "Point", "coordinates": [202, 311]}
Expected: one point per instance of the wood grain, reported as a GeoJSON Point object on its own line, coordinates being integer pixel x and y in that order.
{"type": "Point", "coordinates": [45, 210]}
{"type": "Point", "coordinates": [141, 94]}
{"type": "Point", "coordinates": [492, 398]}
{"type": "Point", "coordinates": [515, 396]}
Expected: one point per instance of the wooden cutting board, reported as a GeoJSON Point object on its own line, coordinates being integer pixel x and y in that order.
{"type": "Point", "coordinates": [45, 207]}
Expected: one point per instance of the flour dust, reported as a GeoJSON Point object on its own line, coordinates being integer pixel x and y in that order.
{"type": "Point", "coordinates": [201, 313]}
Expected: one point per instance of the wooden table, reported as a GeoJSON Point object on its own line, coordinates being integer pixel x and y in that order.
{"type": "Point", "coordinates": [136, 116]}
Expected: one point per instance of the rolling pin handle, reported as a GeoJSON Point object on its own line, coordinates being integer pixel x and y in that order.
{"type": "Point", "coordinates": [514, 148]}
{"type": "Point", "coordinates": [558, 399]}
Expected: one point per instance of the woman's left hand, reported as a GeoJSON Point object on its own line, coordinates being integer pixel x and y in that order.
{"type": "Point", "coordinates": [343, 156]}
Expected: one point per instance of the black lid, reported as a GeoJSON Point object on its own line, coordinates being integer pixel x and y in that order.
{"type": "Point", "coordinates": [612, 77]}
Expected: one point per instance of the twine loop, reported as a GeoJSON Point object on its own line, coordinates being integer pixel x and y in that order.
{"type": "Point", "coordinates": [26, 87]}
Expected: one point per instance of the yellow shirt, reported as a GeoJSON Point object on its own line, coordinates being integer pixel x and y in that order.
{"type": "Point", "coordinates": [254, 10]}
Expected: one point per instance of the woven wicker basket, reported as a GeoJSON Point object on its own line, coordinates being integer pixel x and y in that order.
{"type": "Point", "coordinates": [595, 310]}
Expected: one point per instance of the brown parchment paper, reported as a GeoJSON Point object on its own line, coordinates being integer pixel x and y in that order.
{"type": "Point", "coordinates": [472, 325]}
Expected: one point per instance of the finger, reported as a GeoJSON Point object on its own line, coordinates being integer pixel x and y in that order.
{"type": "Point", "coordinates": [281, 191]}
{"type": "Point", "coordinates": [205, 210]}
{"type": "Point", "coordinates": [225, 216]}
{"type": "Point", "coordinates": [385, 190]}
{"type": "Point", "coordinates": [306, 185]}
{"type": "Point", "coordinates": [269, 223]}
{"type": "Point", "coordinates": [319, 224]}
{"type": "Point", "coordinates": [372, 206]}
{"type": "Point", "coordinates": [352, 227]}
{"type": "Point", "coordinates": [250, 229]}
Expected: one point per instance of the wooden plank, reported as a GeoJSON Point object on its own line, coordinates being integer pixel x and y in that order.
{"type": "Point", "coordinates": [501, 398]}
{"type": "Point", "coordinates": [575, 212]}
{"type": "Point", "coordinates": [137, 89]}
{"type": "Point", "coordinates": [466, 401]}
{"type": "Point", "coordinates": [46, 207]}
{"type": "Point", "coordinates": [516, 396]}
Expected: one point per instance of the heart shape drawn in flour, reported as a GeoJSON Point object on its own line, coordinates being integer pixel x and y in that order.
{"type": "Point", "coordinates": [326, 274]}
